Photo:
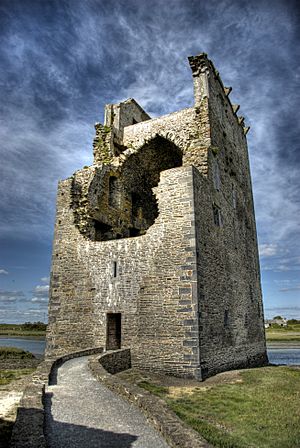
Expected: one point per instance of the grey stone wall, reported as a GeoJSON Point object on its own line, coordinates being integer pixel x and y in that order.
{"type": "Point", "coordinates": [116, 361]}
{"type": "Point", "coordinates": [173, 249]}
{"type": "Point", "coordinates": [231, 330]}
{"type": "Point", "coordinates": [155, 288]}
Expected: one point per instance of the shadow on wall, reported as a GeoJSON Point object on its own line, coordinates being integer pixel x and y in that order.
{"type": "Point", "coordinates": [53, 373]}
{"type": "Point", "coordinates": [62, 435]}
{"type": "Point", "coordinates": [6, 427]}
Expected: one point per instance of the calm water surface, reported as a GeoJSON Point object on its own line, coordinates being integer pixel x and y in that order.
{"type": "Point", "coordinates": [35, 346]}
{"type": "Point", "coordinates": [284, 355]}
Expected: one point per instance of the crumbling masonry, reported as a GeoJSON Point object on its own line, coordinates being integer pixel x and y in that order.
{"type": "Point", "coordinates": [155, 244]}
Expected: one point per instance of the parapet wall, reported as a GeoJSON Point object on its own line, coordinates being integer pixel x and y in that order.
{"type": "Point", "coordinates": [174, 431]}
{"type": "Point", "coordinates": [28, 430]}
{"type": "Point", "coordinates": [116, 361]}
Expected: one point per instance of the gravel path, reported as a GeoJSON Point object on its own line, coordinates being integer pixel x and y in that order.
{"type": "Point", "coordinates": [82, 413]}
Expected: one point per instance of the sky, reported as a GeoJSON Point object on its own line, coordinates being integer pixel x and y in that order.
{"type": "Point", "coordinates": [62, 61]}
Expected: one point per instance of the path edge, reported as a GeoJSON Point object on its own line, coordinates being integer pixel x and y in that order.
{"type": "Point", "coordinates": [176, 433]}
{"type": "Point", "coordinates": [29, 427]}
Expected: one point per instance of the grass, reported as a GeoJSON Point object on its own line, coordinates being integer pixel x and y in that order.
{"type": "Point", "coordinates": [23, 330]}
{"type": "Point", "coordinates": [8, 357]}
{"type": "Point", "coordinates": [14, 353]}
{"type": "Point", "coordinates": [276, 337]}
{"type": "Point", "coordinates": [160, 391]}
{"type": "Point", "coordinates": [7, 376]}
{"type": "Point", "coordinates": [262, 410]}
{"type": "Point", "coordinates": [290, 333]}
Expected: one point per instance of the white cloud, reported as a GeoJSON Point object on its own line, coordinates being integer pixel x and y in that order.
{"type": "Point", "coordinates": [39, 300]}
{"type": "Point", "coordinates": [3, 272]}
{"type": "Point", "coordinates": [41, 290]}
{"type": "Point", "coordinates": [291, 288]}
{"type": "Point", "coordinates": [268, 250]}
{"type": "Point", "coordinates": [40, 295]}
{"type": "Point", "coordinates": [290, 312]}
{"type": "Point", "coordinates": [45, 279]}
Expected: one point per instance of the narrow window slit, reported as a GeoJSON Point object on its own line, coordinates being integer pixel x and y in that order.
{"type": "Point", "coordinates": [114, 269]}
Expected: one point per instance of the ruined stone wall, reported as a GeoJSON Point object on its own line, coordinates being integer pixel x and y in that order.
{"type": "Point", "coordinates": [173, 249]}
{"type": "Point", "coordinates": [71, 291]}
{"type": "Point", "coordinates": [188, 129]}
{"type": "Point", "coordinates": [124, 114]}
{"type": "Point", "coordinates": [154, 289]}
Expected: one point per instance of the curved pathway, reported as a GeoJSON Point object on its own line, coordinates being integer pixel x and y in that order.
{"type": "Point", "coordinates": [83, 413]}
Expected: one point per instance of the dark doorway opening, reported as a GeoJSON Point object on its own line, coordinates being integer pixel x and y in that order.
{"type": "Point", "coordinates": [113, 331]}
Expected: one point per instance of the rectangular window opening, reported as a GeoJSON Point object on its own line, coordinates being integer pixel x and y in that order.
{"type": "Point", "coordinates": [234, 197]}
{"type": "Point", "coordinates": [114, 269]}
{"type": "Point", "coordinates": [217, 215]}
{"type": "Point", "coordinates": [226, 318]}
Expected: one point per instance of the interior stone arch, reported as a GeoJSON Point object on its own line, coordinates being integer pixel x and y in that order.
{"type": "Point", "coordinates": [126, 205]}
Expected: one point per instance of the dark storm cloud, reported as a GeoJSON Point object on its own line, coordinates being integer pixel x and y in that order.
{"type": "Point", "coordinates": [63, 60]}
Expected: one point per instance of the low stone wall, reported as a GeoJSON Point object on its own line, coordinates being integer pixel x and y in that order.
{"type": "Point", "coordinates": [28, 430]}
{"type": "Point", "coordinates": [116, 361]}
{"type": "Point", "coordinates": [174, 431]}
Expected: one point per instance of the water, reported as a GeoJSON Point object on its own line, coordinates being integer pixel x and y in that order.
{"type": "Point", "coordinates": [289, 356]}
{"type": "Point", "coordinates": [35, 346]}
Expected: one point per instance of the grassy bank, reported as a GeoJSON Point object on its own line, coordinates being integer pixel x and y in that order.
{"type": "Point", "coordinates": [21, 363]}
{"type": "Point", "coordinates": [14, 353]}
{"type": "Point", "coordinates": [290, 333]}
{"type": "Point", "coordinates": [257, 408]}
{"type": "Point", "coordinates": [14, 358]}
{"type": "Point", "coordinates": [7, 376]}
{"type": "Point", "coordinates": [37, 329]}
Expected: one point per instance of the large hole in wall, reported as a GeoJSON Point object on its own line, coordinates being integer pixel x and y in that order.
{"type": "Point", "coordinates": [129, 207]}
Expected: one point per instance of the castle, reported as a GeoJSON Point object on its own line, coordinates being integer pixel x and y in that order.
{"type": "Point", "coordinates": [155, 244]}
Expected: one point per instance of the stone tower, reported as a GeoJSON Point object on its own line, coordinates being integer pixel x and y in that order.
{"type": "Point", "coordinates": [155, 244]}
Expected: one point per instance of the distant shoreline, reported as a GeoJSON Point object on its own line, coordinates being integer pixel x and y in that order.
{"type": "Point", "coordinates": [283, 344]}
{"type": "Point", "coordinates": [270, 344]}
{"type": "Point", "coordinates": [28, 336]}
